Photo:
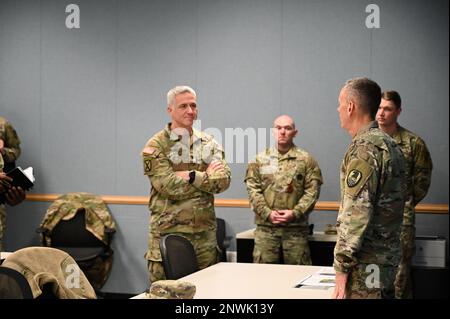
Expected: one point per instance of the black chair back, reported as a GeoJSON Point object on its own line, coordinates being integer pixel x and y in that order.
{"type": "Point", "coordinates": [221, 237]}
{"type": "Point", "coordinates": [73, 233]}
{"type": "Point", "coordinates": [178, 256]}
{"type": "Point", "coordinates": [13, 285]}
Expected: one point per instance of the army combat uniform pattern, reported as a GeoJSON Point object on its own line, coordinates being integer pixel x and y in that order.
{"type": "Point", "coordinates": [277, 182]}
{"type": "Point", "coordinates": [176, 206]}
{"type": "Point", "coordinates": [11, 153]}
{"type": "Point", "coordinates": [373, 189]}
{"type": "Point", "coordinates": [11, 141]}
{"type": "Point", "coordinates": [418, 171]}
{"type": "Point", "coordinates": [2, 212]}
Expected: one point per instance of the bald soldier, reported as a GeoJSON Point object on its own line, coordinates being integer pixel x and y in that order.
{"type": "Point", "coordinates": [283, 185]}
{"type": "Point", "coordinates": [373, 186]}
{"type": "Point", "coordinates": [13, 195]}
{"type": "Point", "coordinates": [418, 172]}
{"type": "Point", "coordinates": [185, 167]}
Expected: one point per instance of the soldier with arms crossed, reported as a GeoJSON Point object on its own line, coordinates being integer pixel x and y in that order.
{"type": "Point", "coordinates": [185, 167]}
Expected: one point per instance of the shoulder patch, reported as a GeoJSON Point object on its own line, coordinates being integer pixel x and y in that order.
{"type": "Point", "coordinates": [147, 166]}
{"type": "Point", "coordinates": [353, 177]}
{"type": "Point", "coordinates": [359, 172]}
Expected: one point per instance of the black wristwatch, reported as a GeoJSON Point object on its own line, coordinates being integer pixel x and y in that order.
{"type": "Point", "coordinates": [191, 177]}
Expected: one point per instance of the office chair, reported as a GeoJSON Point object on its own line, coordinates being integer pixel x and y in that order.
{"type": "Point", "coordinates": [178, 256]}
{"type": "Point", "coordinates": [222, 240]}
{"type": "Point", "coordinates": [72, 237]}
{"type": "Point", "coordinates": [13, 285]}
{"type": "Point", "coordinates": [86, 236]}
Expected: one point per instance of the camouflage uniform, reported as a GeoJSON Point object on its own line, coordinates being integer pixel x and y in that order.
{"type": "Point", "coordinates": [2, 212]}
{"type": "Point", "coordinates": [179, 207]}
{"type": "Point", "coordinates": [11, 141]}
{"type": "Point", "coordinates": [11, 151]}
{"type": "Point", "coordinates": [418, 172]}
{"type": "Point", "coordinates": [171, 289]}
{"type": "Point", "coordinates": [290, 181]}
{"type": "Point", "coordinates": [373, 189]}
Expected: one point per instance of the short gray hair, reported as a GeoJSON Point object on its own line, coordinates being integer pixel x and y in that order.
{"type": "Point", "coordinates": [178, 90]}
{"type": "Point", "coordinates": [367, 94]}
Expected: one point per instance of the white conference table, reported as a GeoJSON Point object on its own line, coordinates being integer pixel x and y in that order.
{"type": "Point", "coordinates": [228, 280]}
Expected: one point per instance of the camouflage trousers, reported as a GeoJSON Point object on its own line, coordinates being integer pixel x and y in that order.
{"type": "Point", "coordinates": [205, 245]}
{"type": "Point", "coordinates": [403, 281]}
{"type": "Point", "coordinates": [2, 225]}
{"type": "Point", "coordinates": [276, 245]}
{"type": "Point", "coordinates": [371, 281]}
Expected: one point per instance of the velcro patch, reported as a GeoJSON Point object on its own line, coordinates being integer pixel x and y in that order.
{"type": "Point", "coordinates": [147, 165]}
{"type": "Point", "coordinates": [148, 151]}
{"type": "Point", "coordinates": [359, 172]}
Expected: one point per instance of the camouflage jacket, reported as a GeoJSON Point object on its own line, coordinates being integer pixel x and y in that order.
{"type": "Point", "coordinates": [2, 211]}
{"type": "Point", "coordinates": [373, 186]}
{"type": "Point", "coordinates": [45, 265]}
{"type": "Point", "coordinates": [98, 218]}
{"type": "Point", "coordinates": [11, 141]}
{"type": "Point", "coordinates": [288, 181]}
{"type": "Point", "coordinates": [176, 205]}
{"type": "Point", "coordinates": [418, 170]}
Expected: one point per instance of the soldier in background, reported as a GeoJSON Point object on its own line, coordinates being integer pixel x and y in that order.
{"type": "Point", "coordinates": [283, 185]}
{"type": "Point", "coordinates": [9, 145]}
{"type": "Point", "coordinates": [185, 167]}
{"type": "Point", "coordinates": [418, 172]}
{"type": "Point", "coordinates": [373, 187]}
{"type": "Point", "coordinates": [14, 196]}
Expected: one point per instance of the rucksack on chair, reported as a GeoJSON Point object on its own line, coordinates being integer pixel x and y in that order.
{"type": "Point", "coordinates": [81, 225]}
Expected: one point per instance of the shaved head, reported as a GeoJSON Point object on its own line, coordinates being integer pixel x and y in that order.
{"type": "Point", "coordinates": [284, 120]}
{"type": "Point", "coordinates": [284, 132]}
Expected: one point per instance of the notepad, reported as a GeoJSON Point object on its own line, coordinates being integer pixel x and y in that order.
{"type": "Point", "coordinates": [22, 178]}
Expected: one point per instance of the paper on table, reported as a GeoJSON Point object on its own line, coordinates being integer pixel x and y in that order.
{"type": "Point", "coordinates": [318, 280]}
{"type": "Point", "coordinates": [327, 271]}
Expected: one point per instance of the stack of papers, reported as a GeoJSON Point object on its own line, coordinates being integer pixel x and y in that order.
{"type": "Point", "coordinates": [324, 277]}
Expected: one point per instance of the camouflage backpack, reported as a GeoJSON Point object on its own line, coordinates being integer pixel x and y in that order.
{"type": "Point", "coordinates": [81, 225]}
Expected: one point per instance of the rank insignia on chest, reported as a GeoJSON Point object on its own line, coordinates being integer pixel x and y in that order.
{"type": "Point", "coordinates": [353, 178]}
{"type": "Point", "coordinates": [289, 188]}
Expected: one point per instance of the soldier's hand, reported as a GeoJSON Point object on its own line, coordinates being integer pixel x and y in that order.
{"type": "Point", "coordinates": [15, 196]}
{"type": "Point", "coordinates": [4, 182]}
{"type": "Point", "coordinates": [339, 289]}
{"type": "Point", "coordinates": [273, 217]}
{"type": "Point", "coordinates": [215, 167]}
{"type": "Point", "coordinates": [2, 144]}
{"type": "Point", "coordinates": [285, 215]}
{"type": "Point", "coordinates": [183, 174]}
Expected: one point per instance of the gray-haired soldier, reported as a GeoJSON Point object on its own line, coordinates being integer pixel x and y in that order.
{"type": "Point", "coordinates": [185, 167]}
{"type": "Point", "coordinates": [373, 189]}
{"type": "Point", "coordinates": [283, 185]}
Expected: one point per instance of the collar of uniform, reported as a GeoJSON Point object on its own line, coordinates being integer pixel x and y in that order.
{"type": "Point", "coordinates": [292, 153]}
{"type": "Point", "coordinates": [196, 135]}
{"type": "Point", "coordinates": [365, 128]}
{"type": "Point", "coordinates": [172, 136]}
{"type": "Point", "coordinates": [398, 135]}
